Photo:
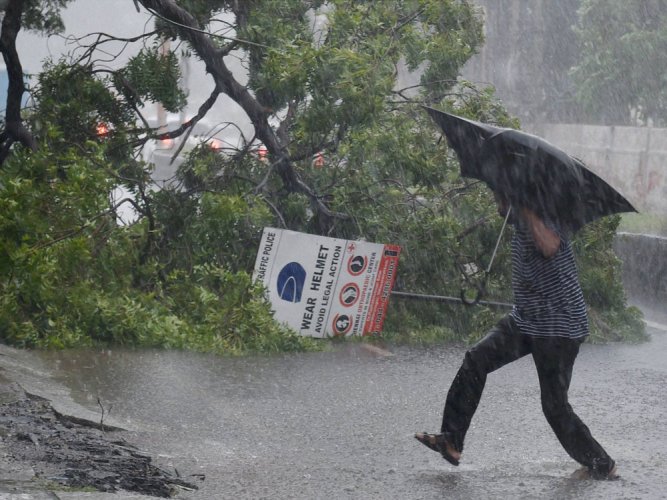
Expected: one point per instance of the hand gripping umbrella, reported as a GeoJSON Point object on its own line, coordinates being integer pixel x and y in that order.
{"type": "Point", "coordinates": [530, 172]}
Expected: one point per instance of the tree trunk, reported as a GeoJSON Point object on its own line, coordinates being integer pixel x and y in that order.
{"type": "Point", "coordinates": [15, 130]}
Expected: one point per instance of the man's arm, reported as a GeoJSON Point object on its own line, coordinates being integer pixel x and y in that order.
{"type": "Point", "coordinates": [546, 240]}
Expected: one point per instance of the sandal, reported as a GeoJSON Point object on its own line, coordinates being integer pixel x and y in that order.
{"type": "Point", "coordinates": [439, 444]}
{"type": "Point", "coordinates": [590, 473]}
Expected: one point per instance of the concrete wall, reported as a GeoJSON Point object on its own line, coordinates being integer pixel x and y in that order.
{"type": "Point", "coordinates": [632, 159]}
{"type": "Point", "coordinates": [644, 268]}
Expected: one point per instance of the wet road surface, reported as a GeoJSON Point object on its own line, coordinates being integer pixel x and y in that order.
{"type": "Point", "coordinates": [340, 424]}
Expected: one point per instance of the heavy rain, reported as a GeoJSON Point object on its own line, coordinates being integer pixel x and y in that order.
{"type": "Point", "coordinates": [254, 250]}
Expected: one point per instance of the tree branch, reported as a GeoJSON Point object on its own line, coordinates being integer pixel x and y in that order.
{"type": "Point", "coordinates": [102, 38]}
{"type": "Point", "coordinates": [200, 41]}
{"type": "Point", "coordinates": [201, 112]}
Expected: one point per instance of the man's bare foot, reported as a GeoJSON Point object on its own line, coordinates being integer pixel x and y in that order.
{"type": "Point", "coordinates": [439, 443]}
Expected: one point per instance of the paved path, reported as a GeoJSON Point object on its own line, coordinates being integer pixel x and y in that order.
{"type": "Point", "coordinates": [340, 424]}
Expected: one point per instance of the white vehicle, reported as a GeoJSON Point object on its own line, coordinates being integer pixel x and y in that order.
{"type": "Point", "coordinates": [168, 154]}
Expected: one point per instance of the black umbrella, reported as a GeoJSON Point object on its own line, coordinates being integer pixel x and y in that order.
{"type": "Point", "coordinates": [530, 171]}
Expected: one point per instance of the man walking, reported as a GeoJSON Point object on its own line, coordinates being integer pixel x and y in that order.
{"type": "Point", "coordinates": [549, 321]}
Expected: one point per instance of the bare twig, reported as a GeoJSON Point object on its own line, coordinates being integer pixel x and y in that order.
{"type": "Point", "coordinates": [277, 212]}
{"type": "Point", "coordinates": [201, 112]}
{"type": "Point", "coordinates": [102, 417]}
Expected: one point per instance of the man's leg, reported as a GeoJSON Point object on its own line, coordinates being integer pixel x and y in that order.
{"type": "Point", "coordinates": [502, 345]}
{"type": "Point", "coordinates": [554, 359]}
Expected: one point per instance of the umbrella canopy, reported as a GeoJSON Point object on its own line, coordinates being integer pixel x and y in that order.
{"type": "Point", "coordinates": [530, 171]}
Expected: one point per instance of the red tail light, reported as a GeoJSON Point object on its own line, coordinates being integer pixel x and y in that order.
{"type": "Point", "coordinates": [102, 129]}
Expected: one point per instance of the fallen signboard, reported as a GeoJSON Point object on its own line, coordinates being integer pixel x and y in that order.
{"type": "Point", "coordinates": [322, 286]}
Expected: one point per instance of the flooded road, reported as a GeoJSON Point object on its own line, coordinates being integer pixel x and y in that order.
{"type": "Point", "coordinates": [340, 424]}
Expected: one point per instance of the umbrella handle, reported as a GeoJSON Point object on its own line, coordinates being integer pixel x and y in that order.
{"type": "Point", "coordinates": [481, 291]}
{"type": "Point", "coordinates": [481, 287]}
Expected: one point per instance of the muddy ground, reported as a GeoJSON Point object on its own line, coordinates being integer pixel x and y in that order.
{"type": "Point", "coordinates": [72, 453]}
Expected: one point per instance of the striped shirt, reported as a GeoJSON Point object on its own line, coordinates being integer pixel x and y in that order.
{"type": "Point", "coordinates": [548, 300]}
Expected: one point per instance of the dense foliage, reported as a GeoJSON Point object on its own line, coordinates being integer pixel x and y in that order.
{"type": "Point", "coordinates": [72, 277]}
{"type": "Point", "coordinates": [620, 77]}
{"type": "Point", "coordinates": [179, 276]}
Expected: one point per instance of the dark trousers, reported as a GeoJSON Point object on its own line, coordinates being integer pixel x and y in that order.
{"type": "Point", "coordinates": [554, 358]}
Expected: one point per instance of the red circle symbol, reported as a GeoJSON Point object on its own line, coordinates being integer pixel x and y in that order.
{"type": "Point", "coordinates": [342, 323]}
{"type": "Point", "coordinates": [357, 264]}
{"type": "Point", "coordinates": [349, 295]}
